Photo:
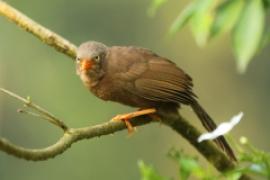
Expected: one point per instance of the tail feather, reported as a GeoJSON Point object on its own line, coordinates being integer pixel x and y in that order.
{"type": "Point", "coordinates": [210, 125]}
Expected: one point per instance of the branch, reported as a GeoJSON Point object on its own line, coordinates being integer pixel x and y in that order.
{"type": "Point", "coordinates": [71, 135]}
{"type": "Point", "coordinates": [45, 35]}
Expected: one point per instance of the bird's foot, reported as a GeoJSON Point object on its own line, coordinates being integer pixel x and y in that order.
{"type": "Point", "coordinates": [126, 117]}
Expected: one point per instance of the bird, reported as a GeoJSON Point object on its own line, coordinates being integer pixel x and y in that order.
{"type": "Point", "coordinates": [138, 77]}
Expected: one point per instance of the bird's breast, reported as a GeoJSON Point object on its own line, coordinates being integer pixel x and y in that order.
{"type": "Point", "coordinates": [99, 88]}
{"type": "Point", "coordinates": [87, 80]}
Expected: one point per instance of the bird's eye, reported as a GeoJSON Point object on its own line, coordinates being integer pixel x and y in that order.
{"type": "Point", "coordinates": [97, 58]}
{"type": "Point", "coordinates": [78, 59]}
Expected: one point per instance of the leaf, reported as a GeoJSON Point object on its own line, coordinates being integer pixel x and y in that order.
{"type": "Point", "coordinates": [155, 5]}
{"type": "Point", "coordinates": [248, 32]}
{"type": "Point", "coordinates": [226, 16]}
{"type": "Point", "coordinates": [258, 168]}
{"type": "Point", "coordinates": [265, 38]}
{"type": "Point", "coordinates": [148, 172]}
{"type": "Point", "coordinates": [266, 3]}
{"type": "Point", "coordinates": [183, 18]}
{"type": "Point", "coordinates": [201, 20]}
{"type": "Point", "coordinates": [188, 165]}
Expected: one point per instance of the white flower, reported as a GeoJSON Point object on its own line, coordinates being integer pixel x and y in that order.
{"type": "Point", "coordinates": [222, 129]}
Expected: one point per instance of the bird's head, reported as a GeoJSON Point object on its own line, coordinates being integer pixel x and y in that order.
{"type": "Point", "coordinates": [90, 56]}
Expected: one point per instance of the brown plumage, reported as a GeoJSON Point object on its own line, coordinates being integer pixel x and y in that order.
{"type": "Point", "coordinates": [140, 78]}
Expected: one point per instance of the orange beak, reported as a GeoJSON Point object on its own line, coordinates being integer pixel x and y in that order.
{"type": "Point", "coordinates": [86, 64]}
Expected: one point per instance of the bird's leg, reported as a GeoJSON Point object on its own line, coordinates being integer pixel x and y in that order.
{"type": "Point", "coordinates": [126, 117]}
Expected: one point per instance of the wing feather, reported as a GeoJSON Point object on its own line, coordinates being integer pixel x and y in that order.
{"type": "Point", "coordinates": [159, 80]}
{"type": "Point", "coordinates": [162, 91]}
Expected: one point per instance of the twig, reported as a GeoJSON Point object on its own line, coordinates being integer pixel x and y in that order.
{"type": "Point", "coordinates": [51, 118]}
{"type": "Point", "coordinates": [23, 111]}
{"type": "Point", "coordinates": [176, 122]}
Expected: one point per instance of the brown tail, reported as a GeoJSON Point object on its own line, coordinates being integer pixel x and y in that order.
{"type": "Point", "coordinates": [210, 125]}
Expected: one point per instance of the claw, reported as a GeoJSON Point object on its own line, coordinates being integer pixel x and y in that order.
{"type": "Point", "coordinates": [126, 117]}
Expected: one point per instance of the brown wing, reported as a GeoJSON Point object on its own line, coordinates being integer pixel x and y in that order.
{"type": "Point", "coordinates": [149, 76]}
{"type": "Point", "coordinates": [158, 79]}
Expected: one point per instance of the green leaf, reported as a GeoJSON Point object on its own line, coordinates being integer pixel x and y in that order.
{"type": "Point", "coordinates": [266, 3]}
{"type": "Point", "coordinates": [183, 18]}
{"type": "Point", "coordinates": [189, 166]}
{"type": "Point", "coordinates": [148, 172]}
{"type": "Point", "coordinates": [202, 20]}
{"type": "Point", "coordinates": [155, 5]}
{"type": "Point", "coordinates": [248, 32]}
{"type": "Point", "coordinates": [226, 16]}
{"type": "Point", "coordinates": [258, 168]}
{"type": "Point", "coordinates": [265, 38]}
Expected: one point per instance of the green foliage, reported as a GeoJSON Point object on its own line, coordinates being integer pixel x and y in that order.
{"type": "Point", "coordinates": [149, 173]}
{"type": "Point", "coordinates": [155, 5]}
{"type": "Point", "coordinates": [252, 161]}
{"type": "Point", "coordinates": [258, 161]}
{"type": "Point", "coordinates": [201, 21]}
{"type": "Point", "coordinates": [266, 3]}
{"type": "Point", "coordinates": [248, 32]}
{"type": "Point", "coordinates": [183, 18]}
{"type": "Point", "coordinates": [226, 16]}
{"type": "Point", "coordinates": [189, 166]}
{"type": "Point", "coordinates": [243, 19]}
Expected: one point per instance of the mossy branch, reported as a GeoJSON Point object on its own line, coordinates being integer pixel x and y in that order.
{"type": "Point", "coordinates": [70, 136]}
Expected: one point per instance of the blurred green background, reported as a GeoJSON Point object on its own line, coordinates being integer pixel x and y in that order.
{"type": "Point", "coordinates": [29, 67]}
